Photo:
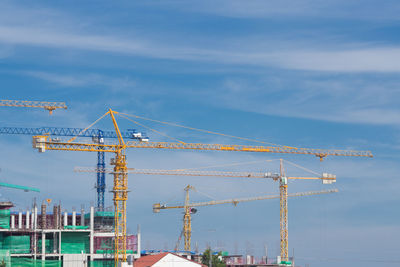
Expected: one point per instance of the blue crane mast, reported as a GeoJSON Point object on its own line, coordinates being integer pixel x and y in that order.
{"type": "Point", "coordinates": [96, 134]}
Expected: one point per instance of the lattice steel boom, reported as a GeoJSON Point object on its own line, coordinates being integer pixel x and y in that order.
{"type": "Point", "coordinates": [188, 208]}
{"type": "Point", "coordinates": [321, 153]}
{"type": "Point", "coordinates": [50, 106]}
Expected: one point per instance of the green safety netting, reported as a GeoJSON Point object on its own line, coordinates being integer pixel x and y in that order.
{"type": "Point", "coordinates": [5, 219]}
{"type": "Point", "coordinates": [109, 251]}
{"type": "Point", "coordinates": [100, 214]}
{"type": "Point", "coordinates": [5, 257]}
{"type": "Point", "coordinates": [19, 244]}
{"type": "Point", "coordinates": [106, 244]}
{"type": "Point", "coordinates": [76, 227]}
{"type": "Point", "coordinates": [1, 240]}
{"type": "Point", "coordinates": [29, 262]}
{"type": "Point", "coordinates": [102, 263]}
{"type": "Point", "coordinates": [75, 243]}
{"type": "Point", "coordinates": [48, 244]}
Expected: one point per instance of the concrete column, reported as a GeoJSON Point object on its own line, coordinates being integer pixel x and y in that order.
{"type": "Point", "coordinates": [139, 249]}
{"type": "Point", "coordinates": [43, 217]}
{"type": "Point", "coordinates": [27, 219]}
{"type": "Point", "coordinates": [43, 245]}
{"type": "Point", "coordinates": [73, 218]}
{"type": "Point", "coordinates": [12, 221]}
{"type": "Point", "coordinates": [35, 224]}
{"type": "Point", "coordinates": [65, 219]}
{"type": "Point", "coordinates": [91, 232]}
{"type": "Point", "coordinates": [55, 243]}
{"type": "Point", "coordinates": [32, 219]}
{"type": "Point", "coordinates": [82, 217]}
{"type": "Point", "coordinates": [91, 218]}
{"type": "Point", "coordinates": [34, 245]}
{"type": "Point", "coordinates": [59, 246]}
{"type": "Point", "coordinates": [19, 220]}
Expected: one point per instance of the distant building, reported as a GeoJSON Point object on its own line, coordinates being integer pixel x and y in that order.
{"type": "Point", "coordinates": [165, 259]}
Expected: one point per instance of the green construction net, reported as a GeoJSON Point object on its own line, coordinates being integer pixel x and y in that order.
{"type": "Point", "coordinates": [102, 263]}
{"type": "Point", "coordinates": [100, 214]}
{"type": "Point", "coordinates": [5, 219]}
{"type": "Point", "coordinates": [19, 244]}
{"type": "Point", "coordinates": [106, 244]}
{"type": "Point", "coordinates": [76, 227]}
{"type": "Point", "coordinates": [29, 262]}
{"type": "Point", "coordinates": [109, 251]}
{"type": "Point", "coordinates": [75, 243]}
{"type": "Point", "coordinates": [48, 246]}
{"type": "Point", "coordinates": [5, 257]}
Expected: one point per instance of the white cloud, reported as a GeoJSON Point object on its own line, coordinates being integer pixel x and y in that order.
{"type": "Point", "coordinates": [357, 60]}
{"type": "Point", "coordinates": [261, 9]}
{"type": "Point", "coordinates": [380, 59]}
{"type": "Point", "coordinates": [51, 28]}
{"type": "Point", "coordinates": [319, 96]}
{"type": "Point", "coordinates": [82, 80]}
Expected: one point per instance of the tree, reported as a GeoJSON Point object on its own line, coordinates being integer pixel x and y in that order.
{"type": "Point", "coordinates": [3, 263]}
{"type": "Point", "coordinates": [216, 259]}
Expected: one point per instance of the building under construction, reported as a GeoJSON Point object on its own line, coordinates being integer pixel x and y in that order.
{"type": "Point", "coordinates": [49, 236]}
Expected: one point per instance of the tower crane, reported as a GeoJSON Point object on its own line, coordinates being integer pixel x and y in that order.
{"type": "Point", "coordinates": [97, 136]}
{"type": "Point", "coordinates": [326, 178]}
{"type": "Point", "coordinates": [49, 106]}
{"type": "Point", "coordinates": [189, 208]}
{"type": "Point", "coordinates": [120, 188]}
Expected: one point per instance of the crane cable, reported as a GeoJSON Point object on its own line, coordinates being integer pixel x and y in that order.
{"type": "Point", "coordinates": [84, 130]}
{"type": "Point", "coordinates": [206, 131]}
{"type": "Point", "coordinates": [303, 168]}
{"type": "Point", "coordinates": [150, 128]}
{"type": "Point", "coordinates": [207, 195]}
{"type": "Point", "coordinates": [226, 165]}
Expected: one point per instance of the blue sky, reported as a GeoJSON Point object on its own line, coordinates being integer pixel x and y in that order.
{"type": "Point", "coordinates": [321, 74]}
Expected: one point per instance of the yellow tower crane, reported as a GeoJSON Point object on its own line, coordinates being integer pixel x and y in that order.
{"type": "Point", "coordinates": [120, 187]}
{"type": "Point", "coordinates": [326, 178]}
{"type": "Point", "coordinates": [188, 208]}
{"type": "Point", "coordinates": [49, 106]}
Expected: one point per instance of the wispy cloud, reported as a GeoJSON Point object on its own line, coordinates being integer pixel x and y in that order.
{"type": "Point", "coordinates": [383, 59]}
{"type": "Point", "coordinates": [261, 9]}
{"type": "Point", "coordinates": [379, 59]}
{"type": "Point", "coordinates": [262, 52]}
{"type": "Point", "coordinates": [57, 38]}
{"type": "Point", "coordinates": [320, 97]}
{"type": "Point", "coordinates": [83, 80]}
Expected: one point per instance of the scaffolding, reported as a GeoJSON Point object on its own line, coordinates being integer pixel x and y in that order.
{"type": "Point", "coordinates": [41, 238]}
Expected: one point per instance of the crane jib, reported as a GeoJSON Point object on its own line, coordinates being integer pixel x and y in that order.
{"type": "Point", "coordinates": [51, 145]}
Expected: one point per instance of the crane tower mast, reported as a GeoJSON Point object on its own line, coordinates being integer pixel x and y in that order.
{"type": "Point", "coordinates": [120, 188]}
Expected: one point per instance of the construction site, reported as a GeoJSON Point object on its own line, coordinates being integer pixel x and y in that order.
{"type": "Point", "coordinates": [47, 234]}
{"type": "Point", "coordinates": [50, 237]}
